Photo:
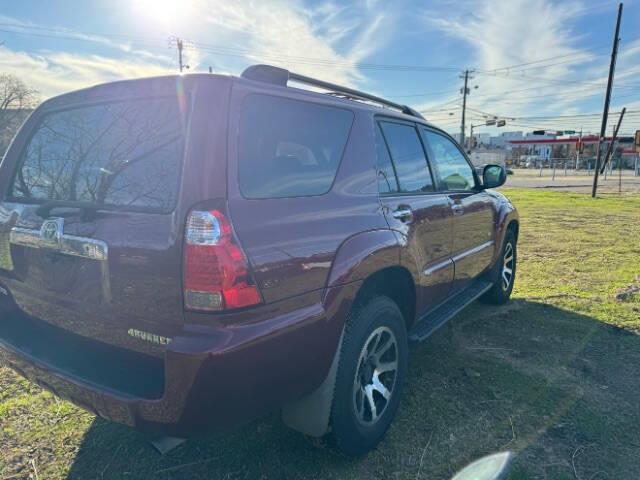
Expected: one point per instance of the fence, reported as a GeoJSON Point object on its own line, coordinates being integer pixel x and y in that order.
{"type": "Point", "coordinates": [586, 166]}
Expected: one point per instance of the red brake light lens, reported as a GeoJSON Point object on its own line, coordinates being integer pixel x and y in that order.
{"type": "Point", "coordinates": [216, 274]}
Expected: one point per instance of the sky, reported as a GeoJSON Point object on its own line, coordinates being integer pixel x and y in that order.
{"type": "Point", "coordinates": [538, 64]}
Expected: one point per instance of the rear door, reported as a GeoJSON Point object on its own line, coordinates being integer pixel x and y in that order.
{"type": "Point", "coordinates": [473, 209]}
{"type": "Point", "coordinates": [415, 208]}
{"type": "Point", "coordinates": [89, 236]}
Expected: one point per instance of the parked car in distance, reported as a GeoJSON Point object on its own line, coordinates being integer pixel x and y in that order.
{"type": "Point", "coordinates": [185, 253]}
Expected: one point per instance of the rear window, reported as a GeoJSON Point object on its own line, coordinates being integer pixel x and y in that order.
{"type": "Point", "coordinates": [289, 148]}
{"type": "Point", "coordinates": [408, 158]}
{"type": "Point", "coordinates": [121, 154]}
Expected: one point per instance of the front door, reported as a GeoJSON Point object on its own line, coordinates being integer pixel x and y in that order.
{"type": "Point", "coordinates": [414, 208]}
{"type": "Point", "coordinates": [473, 209]}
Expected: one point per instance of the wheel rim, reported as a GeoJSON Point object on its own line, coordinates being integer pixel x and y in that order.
{"type": "Point", "coordinates": [376, 374]}
{"type": "Point", "coordinates": [508, 263]}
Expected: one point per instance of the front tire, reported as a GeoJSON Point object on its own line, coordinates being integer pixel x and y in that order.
{"type": "Point", "coordinates": [372, 369]}
{"type": "Point", "coordinates": [504, 272]}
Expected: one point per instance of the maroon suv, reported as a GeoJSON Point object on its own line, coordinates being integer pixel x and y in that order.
{"type": "Point", "coordinates": [181, 253]}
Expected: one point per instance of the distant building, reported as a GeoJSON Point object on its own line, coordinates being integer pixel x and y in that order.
{"type": "Point", "coordinates": [548, 147]}
{"type": "Point", "coordinates": [482, 157]}
{"type": "Point", "coordinates": [501, 141]}
{"type": "Point", "coordinates": [482, 139]}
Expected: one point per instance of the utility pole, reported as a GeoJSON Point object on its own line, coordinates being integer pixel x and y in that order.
{"type": "Point", "coordinates": [578, 151]}
{"type": "Point", "coordinates": [179, 43]}
{"type": "Point", "coordinates": [616, 129]}
{"type": "Point", "coordinates": [607, 99]}
{"type": "Point", "coordinates": [465, 91]}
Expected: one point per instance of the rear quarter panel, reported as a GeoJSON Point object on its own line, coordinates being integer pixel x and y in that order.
{"type": "Point", "coordinates": [292, 242]}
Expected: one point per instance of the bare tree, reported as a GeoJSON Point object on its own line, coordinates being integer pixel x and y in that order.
{"type": "Point", "coordinates": [17, 99]}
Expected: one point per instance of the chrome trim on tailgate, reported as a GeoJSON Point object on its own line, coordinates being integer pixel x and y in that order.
{"type": "Point", "coordinates": [51, 236]}
{"type": "Point", "coordinates": [62, 243]}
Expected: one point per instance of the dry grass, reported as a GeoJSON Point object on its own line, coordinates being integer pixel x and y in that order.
{"type": "Point", "coordinates": [554, 375]}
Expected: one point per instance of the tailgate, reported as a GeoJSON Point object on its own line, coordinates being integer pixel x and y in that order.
{"type": "Point", "coordinates": [89, 238]}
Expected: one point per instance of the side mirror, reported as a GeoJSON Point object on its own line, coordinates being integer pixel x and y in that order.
{"type": "Point", "coordinates": [492, 467]}
{"type": "Point", "coordinates": [493, 176]}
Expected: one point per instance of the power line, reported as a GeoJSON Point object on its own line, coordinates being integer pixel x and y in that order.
{"type": "Point", "coordinates": [429, 94]}
{"type": "Point", "coordinates": [305, 60]}
{"type": "Point", "coordinates": [77, 38]}
{"type": "Point", "coordinates": [544, 60]}
{"type": "Point", "coordinates": [147, 42]}
{"type": "Point", "coordinates": [231, 51]}
{"type": "Point", "coordinates": [542, 117]}
{"type": "Point", "coordinates": [553, 80]}
{"type": "Point", "coordinates": [572, 90]}
{"type": "Point", "coordinates": [579, 115]}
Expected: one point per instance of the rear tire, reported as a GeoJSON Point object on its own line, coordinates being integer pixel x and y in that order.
{"type": "Point", "coordinates": [504, 272]}
{"type": "Point", "coordinates": [372, 369]}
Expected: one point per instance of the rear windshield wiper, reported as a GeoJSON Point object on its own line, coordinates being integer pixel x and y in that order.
{"type": "Point", "coordinates": [88, 210]}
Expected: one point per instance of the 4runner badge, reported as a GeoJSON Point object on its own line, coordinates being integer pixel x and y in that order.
{"type": "Point", "coordinates": [149, 337]}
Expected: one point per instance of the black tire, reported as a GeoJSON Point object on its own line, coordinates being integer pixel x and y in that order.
{"type": "Point", "coordinates": [350, 429]}
{"type": "Point", "coordinates": [500, 293]}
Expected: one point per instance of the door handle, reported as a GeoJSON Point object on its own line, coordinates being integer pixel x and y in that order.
{"type": "Point", "coordinates": [457, 209]}
{"type": "Point", "coordinates": [403, 214]}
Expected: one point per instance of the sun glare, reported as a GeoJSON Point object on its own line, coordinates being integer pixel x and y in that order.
{"type": "Point", "coordinates": [163, 11]}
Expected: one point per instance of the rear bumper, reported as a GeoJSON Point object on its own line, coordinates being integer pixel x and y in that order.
{"type": "Point", "coordinates": [210, 377]}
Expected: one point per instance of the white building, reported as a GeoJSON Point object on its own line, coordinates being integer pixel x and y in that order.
{"type": "Point", "coordinates": [482, 139]}
{"type": "Point", "coordinates": [484, 157]}
{"type": "Point", "coordinates": [541, 150]}
{"type": "Point", "coordinates": [501, 141]}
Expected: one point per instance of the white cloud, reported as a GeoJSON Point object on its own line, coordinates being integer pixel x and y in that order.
{"type": "Point", "coordinates": [518, 32]}
{"type": "Point", "coordinates": [324, 41]}
{"type": "Point", "coordinates": [116, 42]}
{"type": "Point", "coordinates": [55, 73]}
{"type": "Point", "coordinates": [522, 31]}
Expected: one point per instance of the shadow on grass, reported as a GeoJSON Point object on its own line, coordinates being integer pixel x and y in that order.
{"type": "Point", "coordinates": [557, 387]}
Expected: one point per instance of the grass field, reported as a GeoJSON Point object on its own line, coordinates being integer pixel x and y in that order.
{"type": "Point", "coordinates": [554, 376]}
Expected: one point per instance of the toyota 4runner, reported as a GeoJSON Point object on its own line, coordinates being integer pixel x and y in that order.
{"type": "Point", "coordinates": [187, 252]}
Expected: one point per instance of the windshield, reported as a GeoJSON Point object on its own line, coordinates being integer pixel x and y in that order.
{"type": "Point", "coordinates": [125, 154]}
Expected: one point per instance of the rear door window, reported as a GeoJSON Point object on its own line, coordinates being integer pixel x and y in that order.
{"type": "Point", "coordinates": [408, 158]}
{"type": "Point", "coordinates": [454, 171]}
{"type": "Point", "coordinates": [121, 154]}
{"type": "Point", "coordinates": [289, 148]}
{"type": "Point", "coordinates": [387, 181]}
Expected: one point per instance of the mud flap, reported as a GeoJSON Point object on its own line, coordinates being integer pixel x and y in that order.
{"type": "Point", "coordinates": [310, 414]}
{"type": "Point", "coordinates": [164, 445]}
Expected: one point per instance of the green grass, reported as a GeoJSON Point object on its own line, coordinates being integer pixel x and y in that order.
{"type": "Point", "coordinates": [554, 376]}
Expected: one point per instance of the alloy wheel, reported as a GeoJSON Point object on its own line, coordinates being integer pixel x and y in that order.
{"type": "Point", "coordinates": [375, 378]}
{"type": "Point", "coordinates": [508, 262]}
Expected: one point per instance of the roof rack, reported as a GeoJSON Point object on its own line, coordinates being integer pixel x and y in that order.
{"type": "Point", "coordinates": [281, 76]}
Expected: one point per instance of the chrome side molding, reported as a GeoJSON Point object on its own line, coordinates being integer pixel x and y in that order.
{"type": "Point", "coordinates": [473, 251]}
{"type": "Point", "coordinates": [431, 270]}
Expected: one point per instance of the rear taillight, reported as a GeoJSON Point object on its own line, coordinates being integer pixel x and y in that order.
{"type": "Point", "coordinates": [216, 274]}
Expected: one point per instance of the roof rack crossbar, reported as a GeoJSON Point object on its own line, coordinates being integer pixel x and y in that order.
{"type": "Point", "coordinates": [280, 76]}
